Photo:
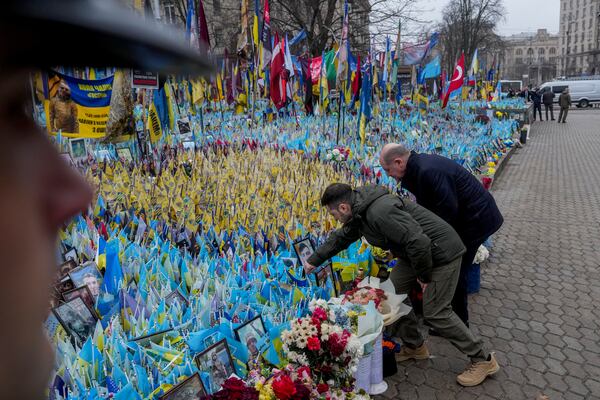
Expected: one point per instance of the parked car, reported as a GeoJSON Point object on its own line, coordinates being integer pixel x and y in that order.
{"type": "Point", "coordinates": [583, 92]}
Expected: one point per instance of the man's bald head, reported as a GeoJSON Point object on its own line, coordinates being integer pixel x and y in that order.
{"type": "Point", "coordinates": [393, 159]}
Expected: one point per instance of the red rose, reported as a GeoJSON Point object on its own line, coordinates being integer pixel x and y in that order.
{"type": "Point", "coordinates": [234, 388]}
{"type": "Point", "coordinates": [313, 343]}
{"type": "Point", "coordinates": [283, 387]}
{"type": "Point", "coordinates": [322, 388]}
{"type": "Point", "coordinates": [337, 344]}
{"type": "Point", "coordinates": [320, 314]}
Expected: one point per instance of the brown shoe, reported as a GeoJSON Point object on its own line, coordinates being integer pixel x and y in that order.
{"type": "Point", "coordinates": [406, 353]}
{"type": "Point", "coordinates": [478, 371]}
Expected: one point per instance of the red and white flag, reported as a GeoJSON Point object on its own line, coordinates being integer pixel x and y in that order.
{"type": "Point", "coordinates": [278, 77]}
{"type": "Point", "coordinates": [458, 78]}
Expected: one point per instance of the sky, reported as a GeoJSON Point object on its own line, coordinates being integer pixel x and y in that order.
{"type": "Point", "coordinates": [521, 15]}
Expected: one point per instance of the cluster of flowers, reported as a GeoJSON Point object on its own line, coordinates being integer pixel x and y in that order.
{"type": "Point", "coordinates": [482, 255]}
{"type": "Point", "coordinates": [364, 295]}
{"type": "Point", "coordinates": [338, 154]}
{"type": "Point", "coordinates": [287, 384]}
{"type": "Point", "coordinates": [330, 351]}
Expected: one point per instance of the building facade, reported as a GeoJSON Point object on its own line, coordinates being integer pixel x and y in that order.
{"type": "Point", "coordinates": [531, 57]}
{"type": "Point", "coordinates": [579, 37]}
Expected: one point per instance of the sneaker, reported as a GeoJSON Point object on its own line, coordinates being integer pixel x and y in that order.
{"type": "Point", "coordinates": [406, 353]}
{"type": "Point", "coordinates": [478, 371]}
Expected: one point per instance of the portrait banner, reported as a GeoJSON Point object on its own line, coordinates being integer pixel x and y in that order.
{"type": "Point", "coordinates": [78, 108]}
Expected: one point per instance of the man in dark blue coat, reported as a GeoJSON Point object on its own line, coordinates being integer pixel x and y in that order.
{"type": "Point", "coordinates": [454, 194]}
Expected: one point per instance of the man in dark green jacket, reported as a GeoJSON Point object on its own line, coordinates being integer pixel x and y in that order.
{"type": "Point", "coordinates": [429, 251]}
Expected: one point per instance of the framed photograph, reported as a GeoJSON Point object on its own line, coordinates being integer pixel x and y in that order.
{"type": "Point", "coordinates": [217, 362]}
{"type": "Point", "coordinates": [77, 319]}
{"type": "Point", "coordinates": [326, 279]}
{"type": "Point", "coordinates": [304, 249]}
{"type": "Point", "coordinates": [125, 154]}
{"type": "Point", "coordinates": [70, 254]}
{"type": "Point", "coordinates": [191, 388]}
{"type": "Point", "coordinates": [87, 274]}
{"type": "Point", "coordinates": [84, 293]}
{"type": "Point", "coordinates": [78, 150]}
{"type": "Point", "coordinates": [249, 333]}
{"type": "Point", "coordinates": [155, 337]}
{"type": "Point", "coordinates": [67, 267]}
{"type": "Point", "coordinates": [184, 126]}
{"type": "Point", "coordinates": [189, 145]}
{"type": "Point", "coordinates": [175, 295]}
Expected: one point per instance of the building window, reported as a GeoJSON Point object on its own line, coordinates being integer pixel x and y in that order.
{"type": "Point", "coordinates": [170, 13]}
{"type": "Point", "coordinates": [542, 60]}
{"type": "Point", "coordinates": [519, 52]}
{"type": "Point", "coordinates": [541, 50]}
{"type": "Point", "coordinates": [552, 50]}
{"type": "Point", "coordinates": [519, 60]}
{"type": "Point", "coordinates": [530, 51]}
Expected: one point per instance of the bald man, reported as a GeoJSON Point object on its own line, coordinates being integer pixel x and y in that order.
{"type": "Point", "coordinates": [454, 194]}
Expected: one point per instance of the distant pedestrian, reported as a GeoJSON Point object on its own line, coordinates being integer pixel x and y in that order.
{"type": "Point", "coordinates": [548, 100]}
{"type": "Point", "coordinates": [564, 101]}
{"type": "Point", "coordinates": [536, 99]}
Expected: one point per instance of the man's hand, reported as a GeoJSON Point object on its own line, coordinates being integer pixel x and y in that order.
{"type": "Point", "coordinates": [308, 268]}
{"type": "Point", "coordinates": [423, 285]}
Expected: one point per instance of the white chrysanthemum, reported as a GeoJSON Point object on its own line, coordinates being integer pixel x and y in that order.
{"type": "Point", "coordinates": [301, 342]}
{"type": "Point", "coordinates": [336, 152]}
{"type": "Point", "coordinates": [328, 156]}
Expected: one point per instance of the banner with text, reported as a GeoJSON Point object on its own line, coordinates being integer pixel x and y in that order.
{"type": "Point", "coordinates": [76, 107]}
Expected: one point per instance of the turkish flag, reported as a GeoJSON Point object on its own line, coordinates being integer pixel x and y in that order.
{"type": "Point", "coordinates": [458, 78]}
{"type": "Point", "coordinates": [278, 78]}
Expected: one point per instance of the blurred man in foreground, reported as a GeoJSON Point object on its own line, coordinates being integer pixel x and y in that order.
{"type": "Point", "coordinates": [38, 191]}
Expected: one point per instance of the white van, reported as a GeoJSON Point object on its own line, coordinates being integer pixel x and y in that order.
{"type": "Point", "coordinates": [583, 92]}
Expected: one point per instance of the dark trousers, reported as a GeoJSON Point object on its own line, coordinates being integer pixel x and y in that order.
{"type": "Point", "coordinates": [551, 108]}
{"type": "Point", "coordinates": [562, 115]}
{"type": "Point", "coordinates": [460, 301]}
{"type": "Point", "coordinates": [538, 108]}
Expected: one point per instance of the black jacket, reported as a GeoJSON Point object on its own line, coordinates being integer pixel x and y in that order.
{"type": "Point", "coordinates": [548, 97]}
{"type": "Point", "coordinates": [535, 98]}
{"type": "Point", "coordinates": [454, 194]}
{"type": "Point", "coordinates": [412, 233]}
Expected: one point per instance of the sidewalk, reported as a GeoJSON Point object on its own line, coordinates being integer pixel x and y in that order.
{"type": "Point", "coordinates": [539, 304]}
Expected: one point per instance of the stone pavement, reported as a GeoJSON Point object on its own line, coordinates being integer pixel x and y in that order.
{"type": "Point", "coordinates": [539, 304]}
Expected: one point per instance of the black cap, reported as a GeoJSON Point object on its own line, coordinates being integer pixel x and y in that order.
{"type": "Point", "coordinates": [95, 33]}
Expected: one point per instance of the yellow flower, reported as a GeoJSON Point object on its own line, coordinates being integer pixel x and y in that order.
{"type": "Point", "coordinates": [266, 393]}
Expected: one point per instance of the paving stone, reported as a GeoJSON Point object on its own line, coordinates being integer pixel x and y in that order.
{"type": "Point", "coordinates": [539, 303]}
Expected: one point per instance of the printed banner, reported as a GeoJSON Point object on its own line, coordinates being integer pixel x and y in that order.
{"type": "Point", "coordinates": [77, 107]}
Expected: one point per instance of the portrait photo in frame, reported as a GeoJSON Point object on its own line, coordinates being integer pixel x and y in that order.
{"type": "Point", "coordinates": [191, 388]}
{"type": "Point", "coordinates": [76, 318]}
{"type": "Point", "coordinates": [125, 154]}
{"type": "Point", "coordinates": [326, 279]}
{"type": "Point", "coordinates": [71, 254]}
{"type": "Point", "coordinates": [249, 333]}
{"type": "Point", "coordinates": [87, 274]}
{"type": "Point", "coordinates": [78, 149]}
{"type": "Point", "coordinates": [217, 362]}
{"type": "Point", "coordinates": [84, 293]}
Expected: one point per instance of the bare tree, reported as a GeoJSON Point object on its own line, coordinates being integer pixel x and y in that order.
{"type": "Point", "coordinates": [468, 25]}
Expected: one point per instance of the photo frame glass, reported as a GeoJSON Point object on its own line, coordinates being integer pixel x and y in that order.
{"type": "Point", "coordinates": [304, 249]}
{"type": "Point", "coordinates": [88, 274]}
{"type": "Point", "coordinates": [249, 333]}
{"type": "Point", "coordinates": [191, 388]}
{"type": "Point", "coordinates": [77, 319]}
{"type": "Point", "coordinates": [78, 149]}
{"type": "Point", "coordinates": [84, 293]}
{"type": "Point", "coordinates": [125, 154]}
{"type": "Point", "coordinates": [218, 363]}
{"type": "Point", "coordinates": [326, 279]}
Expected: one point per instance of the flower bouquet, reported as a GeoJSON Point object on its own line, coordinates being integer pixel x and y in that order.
{"type": "Point", "coordinates": [363, 295]}
{"type": "Point", "coordinates": [338, 154]}
{"type": "Point", "coordinates": [331, 352]}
